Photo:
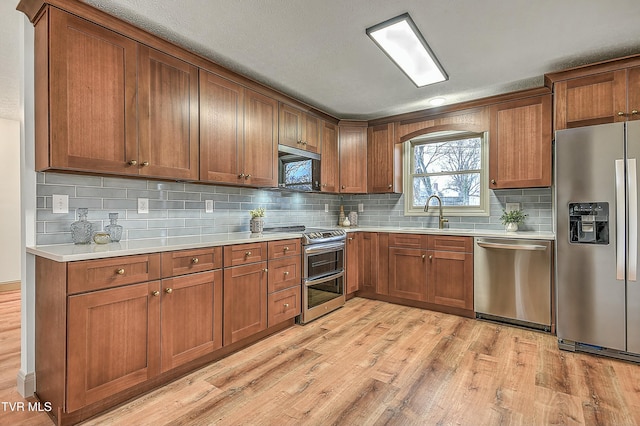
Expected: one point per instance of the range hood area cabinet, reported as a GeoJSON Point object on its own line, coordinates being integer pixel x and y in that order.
{"type": "Point", "coordinates": [107, 104]}
{"type": "Point", "coordinates": [299, 129]}
{"type": "Point", "coordinates": [238, 134]}
{"type": "Point", "coordinates": [596, 94]}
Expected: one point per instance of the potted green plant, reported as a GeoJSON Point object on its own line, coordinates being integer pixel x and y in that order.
{"type": "Point", "coordinates": [512, 219]}
{"type": "Point", "coordinates": [256, 224]}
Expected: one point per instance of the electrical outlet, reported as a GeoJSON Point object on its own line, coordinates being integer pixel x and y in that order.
{"type": "Point", "coordinates": [60, 203]}
{"type": "Point", "coordinates": [143, 205]}
{"type": "Point", "coordinates": [208, 206]}
{"type": "Point", "coordinates": [360, 207]}
{"type": "Point", "coordinates": [512, 206]}
{"type": "Point", "coordinates": [326, 208]}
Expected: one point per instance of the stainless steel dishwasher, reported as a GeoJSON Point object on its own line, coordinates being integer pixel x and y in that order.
{"type": "Point", "coordinates": [512, 281]}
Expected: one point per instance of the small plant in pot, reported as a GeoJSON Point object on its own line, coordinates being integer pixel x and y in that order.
{"type": "Point", "coordinates": [256, 224]}
{"type": "Point", "coordinates": [512, 219]}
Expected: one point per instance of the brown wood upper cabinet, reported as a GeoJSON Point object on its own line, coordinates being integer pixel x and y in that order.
{"type": "Point", "coordinates": [384, 160]}
{"type": "Point", "coordinates": [353, 153]}
{"type": "Point", "coordinates": [520, 143]}
{"type": "Point", "coordinates": [238, 134]}
{"type": "Point", "coordinates": [114, 105]}
{"type": "Point", "coordinates": [299, 129]}
{"type": "Point", "coordinates": [605, 97]}
{"type": "Point", "coordinates": [330, 165]}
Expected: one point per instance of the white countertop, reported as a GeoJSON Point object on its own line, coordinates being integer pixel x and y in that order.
{"type": "Point", "coordinates": [74, 252]}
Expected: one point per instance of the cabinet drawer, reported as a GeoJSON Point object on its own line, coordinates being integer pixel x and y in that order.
{"type": "Point", "coordinates": [242, 254]}
{"type": "Point", "coordinates": [88, 275]}
{"type": "Point", "coordinates": [189, 261]}
{"type": "Point", "coordinates": [284, 305]}
{"type": "Point", "coordinates": [451, 243]}
{"type": "Point", "coordinates": [284, 248]}
{"type": "Point", "coordinates": [408, 240]}
{"type": "Point", "coordinates": [284, 273]}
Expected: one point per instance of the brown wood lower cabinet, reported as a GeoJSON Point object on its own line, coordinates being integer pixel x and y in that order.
{"type": "Point", "coordinates": [352, 254]}
{"type": "Point", "coordinates": [429, 271]}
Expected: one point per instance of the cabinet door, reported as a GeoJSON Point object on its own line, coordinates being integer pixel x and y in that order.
{"type": "Point", "coordinates": [329, 166]}
{"type": "Point", "coordinates": [245, 301]}
{"type": "Point", "coordinates": [586, 101]}
{"type": "Point", "coordinates": [311, 133]}
{"type": "Point", "coordinates": [92, 98]}
{"type": "Point", "coordinates": [451, 279]}
{"type": "Point", "coordinates": [352, 264]}
{"type": "Point", "coordinates": [633, 93]}
{"type": "Point", "coordinates": [520, 144]}
{"type": "Point", "coordinates": [384, 165]}
{"type": "Point", "coordinates": [290, 126]}
{"type": "Point", "coordinates": [168, 120]}
{"type": "Point", "coordinates": [221, 129]}
{"type": "Point", "coordinates": [260, 140]}
{"type": "Point", "coordinates": [191, 317]}
{"type": "Point", "coordinates": [113, 342]}
{"type": "Point", "coordinates": [353, 164]}
{"type": "Point", "coordinates": [368, 262]}
{"type": "Point", "coordinates": [408, 273]}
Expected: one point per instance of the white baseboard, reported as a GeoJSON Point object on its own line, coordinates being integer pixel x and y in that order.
{"type": "Point", "coordinates": [26, 384]}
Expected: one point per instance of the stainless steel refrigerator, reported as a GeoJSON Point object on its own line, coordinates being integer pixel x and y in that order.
{"type": "Point", "coordinates": [597, 286]}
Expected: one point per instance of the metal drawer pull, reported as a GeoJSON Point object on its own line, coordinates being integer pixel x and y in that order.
{"type": "Point", "coordinates": [247, 254]}
{"type": "Point", "coordinates": [195, 260]}
{"type": "Point", "coordinates": [512, 246]}
{"type": "Point", "coordinates": [133, 162]}
{"type": "Point", "coordinates": [155, 293]}
{"type": "Point", "coordinates": [145, 163]}
{"type": "Point", "coordinates": [286, 249]}
{"type": "Point", "coordinates": [620, 113]}
{"type": "Point", "coordinates": [120, 271]}
{"type": "Point", "coordinates": [424, 255]}
{"type": "Point", "coordinates": [265, 270]}
{"type": "Point", "coordinates": [168, 290]}
{"type": "Point", "coordinates": [286, 305]}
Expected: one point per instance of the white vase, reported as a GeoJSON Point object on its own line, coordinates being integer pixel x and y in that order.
{"type": "Point", "coordinates": [511, 227]}
{"type": "Point", "coordinates": [256, 224]}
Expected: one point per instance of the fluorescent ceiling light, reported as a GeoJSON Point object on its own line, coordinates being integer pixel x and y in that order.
{"type": "Point", "coordinates": [400, 39]}
{"type": "Point", "coordinates": [437, 101]}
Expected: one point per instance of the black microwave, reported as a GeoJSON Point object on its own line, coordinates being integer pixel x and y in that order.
{"type": "Point", "coordinates": [298, 170]}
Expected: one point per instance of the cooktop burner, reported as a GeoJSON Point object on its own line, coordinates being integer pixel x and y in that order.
{"type": "Point", "coordinates": [312, 235]}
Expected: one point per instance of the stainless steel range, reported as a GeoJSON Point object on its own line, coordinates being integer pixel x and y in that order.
{"type": "Point", "coordinates": [323, 260]}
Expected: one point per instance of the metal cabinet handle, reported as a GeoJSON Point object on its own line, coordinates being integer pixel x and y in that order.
{"type": "Point", "coordinates": [390, 186]}
{"type": "Point", "coordinates": [145, 163]}
{"type": "Point", "coordinates": [286, 305]}
{"type": "Point", "coordinates": [168, 290]}
{"type": "Point", "coordinates": [343, 187]}
{"type": "Point", "coordinates": [350, 238]}
{"type": "Point", "coordinates": [286, 248]}
{"type": "Point", "coordinates": [430, 257]}
{"type": "Point", "coordinates": [120, 271]}
{"type": "Point", "coordinates": [155, 293]}
{"type": "Point", "coordinates": [634, 112]}
{"type": "Point", "coordinates": [493, 181]}
{"type": "Point", "coordinates": [286, 273]}
{"type": "Point", "coordinates": [247, 176]}
{"type": "Point", "coordinates": [195, 260]}
{"type": "Point", "coordinates": [247, 254]}
{"type": "Point", "coordinates": [424, 255]}
{"type": "Point", "coordinates": [324, 185]}
{"type": "Point", "coordinates": [265, 270]}
{"type": "Point", "coordinates": [620, 113]}
{"type": "Point", "coordinates": [241, 175]}
{"type": "Point", "coordinates": [133, 162]}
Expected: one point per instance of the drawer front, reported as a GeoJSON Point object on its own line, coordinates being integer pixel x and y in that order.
{"type": "Point", "coordinates": [284, 273]}
{"type": "Point", "coordinates": [284, 248]}
{"type": "Point", "coordinates": [450, 243]}
{"type": "Point", "coordinates": [242, 254]}
{"type": "Point", "coordinates": [284, 305]}
{"type": "Point", "coordinates": [88, 275]}
{"type": "Point", "coordinates": [189, 261]}
{"type": "Point", "coordinates": [408, 240]}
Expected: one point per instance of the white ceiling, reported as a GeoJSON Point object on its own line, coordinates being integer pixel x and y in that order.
{"type": "Point", "coordinates": [318, 52]}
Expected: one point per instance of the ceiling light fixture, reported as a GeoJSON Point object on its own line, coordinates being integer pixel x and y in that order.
{"type": "Point", "coordinates": [437, 101]}
{"type": "Point", "coordinates": [401, 40]}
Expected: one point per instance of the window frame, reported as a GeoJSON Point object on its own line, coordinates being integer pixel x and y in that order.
{"type": "Point", "coordinates": [407, 176]}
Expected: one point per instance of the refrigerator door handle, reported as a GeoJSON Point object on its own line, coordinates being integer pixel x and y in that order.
{"type": "Point", "coordinates": [633, 218]}
{"type": "Point", "coordinates": [620, 220]}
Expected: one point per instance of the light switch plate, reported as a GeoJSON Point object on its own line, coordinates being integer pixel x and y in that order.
{"type": "Point", "coordinates": [512, 206]}
{"type": "Point", "coordinates": [143, 205]}
{"type": "Point", "coordinates": [208, 206]}
{"type": "Point", "coordinates": [60, 203]}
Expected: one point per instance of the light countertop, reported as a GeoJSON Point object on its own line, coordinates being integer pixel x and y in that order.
{"type": "Point", "coordinates": [74, 252]}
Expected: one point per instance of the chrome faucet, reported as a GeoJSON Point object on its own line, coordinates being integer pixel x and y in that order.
{"type": "Point", "coordinates": [441, 219]}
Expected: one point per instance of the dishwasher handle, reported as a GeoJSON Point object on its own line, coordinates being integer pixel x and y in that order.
{"type": "Point", "coordinates": [511, 246]}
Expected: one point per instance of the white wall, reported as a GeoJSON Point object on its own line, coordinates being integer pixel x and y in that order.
{"type": "Point", "coordinates": [9, 201]}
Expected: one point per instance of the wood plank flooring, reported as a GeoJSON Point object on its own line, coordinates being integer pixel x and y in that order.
{"type": "Point", "coordinates": [373, 363]}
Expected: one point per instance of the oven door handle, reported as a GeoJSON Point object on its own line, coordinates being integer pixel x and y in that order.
{"type": "Point", "coordinates": [323, 279]}
{"type": "Point", "coordinates": [323, 248]}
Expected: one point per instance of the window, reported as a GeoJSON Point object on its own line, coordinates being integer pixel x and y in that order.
{"type": "Point", "coordinates": [450, 165]}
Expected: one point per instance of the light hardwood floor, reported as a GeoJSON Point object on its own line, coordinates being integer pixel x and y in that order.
{"type": "Point", "coordinates": [373, 363]}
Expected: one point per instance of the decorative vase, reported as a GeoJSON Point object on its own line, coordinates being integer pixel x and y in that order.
{"type": "Point", "coordinates": [512, 227]}
{"type": "Point", "coordinates": [341, 216]}
{"type": "Point", "coordinates": [81, 229]}
{"type": "Point", "coordinates": [113, 229]}
{"type": "Point", "coordinates": [353, 218]}
{"type": "Point", "coordinates": [256, 225]}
